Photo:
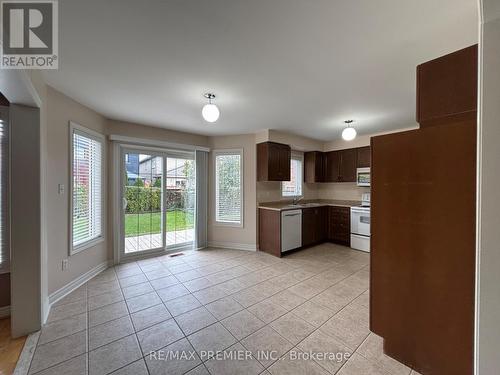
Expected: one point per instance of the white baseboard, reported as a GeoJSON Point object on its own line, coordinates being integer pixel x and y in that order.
{"type": "Point", "coordinates": [4, 312]}
{"type": "Point", "coordinates": [233, 245]}
{"type": "Point", "coordinates": [76, 283]}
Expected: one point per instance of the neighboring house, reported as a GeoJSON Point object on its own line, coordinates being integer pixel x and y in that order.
{"type": "Point", "coordinates": [132, 163]}
{"type": "Point", "coordinates": [151, 167]}
{"type": "Point", "coordinates": [176, 178]}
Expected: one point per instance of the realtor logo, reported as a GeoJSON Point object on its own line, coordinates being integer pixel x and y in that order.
{"type": "Point", "coordinates": [29, 34]}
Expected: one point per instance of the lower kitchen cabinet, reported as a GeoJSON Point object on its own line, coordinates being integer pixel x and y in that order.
{"type": "Point", "coordinates": [339, 225]}
{"type": "Point", "coordinates": [319, 224]}
{"type": "Point", "coordinates": [314, 225]}
{"type": "Point", "coordinates": [270, 231]}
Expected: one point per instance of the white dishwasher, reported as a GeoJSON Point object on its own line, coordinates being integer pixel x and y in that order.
{"type": "Point", "coordinates": [291, 230]}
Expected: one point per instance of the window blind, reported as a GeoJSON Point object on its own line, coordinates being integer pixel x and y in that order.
{"type": "Point", "coordinates": [293, 188]}
{"type": "Point", "coordinates": [87, 188]}
{"type": "Point", "coordinates": [228, 187]}
{"type": "Point", "coordinates": [4, 191]}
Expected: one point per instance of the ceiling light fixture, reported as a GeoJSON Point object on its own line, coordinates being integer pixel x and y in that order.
{"type": "Point", "coordinates": [349, 133]}
{"type": "Point", "coordinates": [210, 112]}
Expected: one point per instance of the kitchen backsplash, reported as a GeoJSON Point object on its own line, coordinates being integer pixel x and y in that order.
{"type": "Point", "coordinates": [341, 191]}
{"type": "Point", "coordinates": [271, 191]}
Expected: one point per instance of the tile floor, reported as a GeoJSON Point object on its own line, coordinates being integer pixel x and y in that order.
{"type": "Point", "coordinates": [258, 313]}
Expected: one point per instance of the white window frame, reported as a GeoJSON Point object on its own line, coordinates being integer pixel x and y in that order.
{"type": "Point", "coordinates": [297, 156]}
{"type": "Point", "coordinates": [79, 129]}
{"type": "Point", "coordinates": [235, 151]}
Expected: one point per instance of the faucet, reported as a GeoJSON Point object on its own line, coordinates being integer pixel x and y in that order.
{"type": "Point", "coordinates": [296, 200]}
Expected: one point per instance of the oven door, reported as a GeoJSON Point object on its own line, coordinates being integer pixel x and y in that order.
{"type": "Point", "coordinates": [360, 221]}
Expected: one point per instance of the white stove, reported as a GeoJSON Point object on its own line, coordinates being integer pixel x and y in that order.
{"type": "Point", "coordinates": [360, 225]}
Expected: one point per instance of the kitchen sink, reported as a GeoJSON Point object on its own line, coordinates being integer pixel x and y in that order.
{"type": "Point", "coordinates": [301, 205]}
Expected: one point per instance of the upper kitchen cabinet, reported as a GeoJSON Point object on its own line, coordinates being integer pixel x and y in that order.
{"type": "Point", "coordinates": [341, 166]}
{"type": "Point", "coordinates": [273, 161]}
{"type": "Point", "coordinates": [332, 166]}
{"type": "Point", "coordinates": [314, 166]}
{"type": "Point", "coordinates": [364, 157]}
{"type": "Point", "coordinates": [348, 165]}
{"type": "Point", "coordinates": [447, 87]}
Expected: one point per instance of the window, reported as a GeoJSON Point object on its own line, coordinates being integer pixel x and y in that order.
{"type": "Point", "coordinates": [4, 183]}
{"type": "Point", "coordinates": [228, 187]}
{"type": "Point", "coordinates": [87, 170]}
{"type": "Point", "coordinates": [293, 188]}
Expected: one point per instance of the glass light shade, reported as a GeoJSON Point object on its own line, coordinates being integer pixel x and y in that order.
{"type": "Point", "coordinates": [348, 134]}
{"type": "Point", "coordinates": [210, 112]}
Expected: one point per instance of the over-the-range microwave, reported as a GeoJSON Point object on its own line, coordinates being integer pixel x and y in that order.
{"type": "Point", "coordinates": [363, 176]}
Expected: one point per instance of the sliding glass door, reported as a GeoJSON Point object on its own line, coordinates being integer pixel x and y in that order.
{"type": "Point", "coordinates": [180, 200]}
{"type": "Point", "coordinates": [143, 202]}
{"type": "Point", "coordinates": [159, 196]}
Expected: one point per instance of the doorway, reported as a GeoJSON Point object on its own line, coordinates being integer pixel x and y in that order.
{"type": "Point", "coordinates": [158, 201]}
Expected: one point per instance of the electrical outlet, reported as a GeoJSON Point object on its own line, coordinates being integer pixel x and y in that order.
{"type": "Point", "coordinates": [64, 264]}
{"type": "Point", "coordinates": [60, 189]}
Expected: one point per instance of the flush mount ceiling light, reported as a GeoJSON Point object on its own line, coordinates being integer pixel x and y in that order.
{"type": "Point", "coordinates": [210, 112]}
{"type": "Point", "coordinates": [349, 133]}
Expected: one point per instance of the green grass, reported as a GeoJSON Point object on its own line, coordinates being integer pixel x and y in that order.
{"type": "Point", "coordinates": [150, 223]}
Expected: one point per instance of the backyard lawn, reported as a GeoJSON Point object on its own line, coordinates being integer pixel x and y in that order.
{"type": "Point", "coordinates": [149, 223]}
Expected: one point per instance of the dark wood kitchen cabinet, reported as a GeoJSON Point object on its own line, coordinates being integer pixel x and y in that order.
{"type": "Point", "coordinates": [339, 225]}
{"type": "Point", "coordinates": [273, 161]}
{"type": "Point", "coordinates": [314, 166]}
{"type": "Point", "coordinates": [341, 165]}
{"type": "Point", "coordinates": [422, 263]}
{"type": "Point", "coordinates": [270, 232]}
{"type": "Point", "coordinates": [348, 162]}
{"type": "Point", "coordinates": [332, 166]}
{"type": "Point", "coordinates": [447, 87]}
{"type": "Point", "coordinates": [314, 225]}
{"type": "Point", "coordinates": [364, 157]}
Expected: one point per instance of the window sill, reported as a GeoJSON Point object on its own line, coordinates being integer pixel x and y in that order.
{"type": "Point", "coordinates": [83, 246]}
{"type": "Point", "coordinates": [228, 224]}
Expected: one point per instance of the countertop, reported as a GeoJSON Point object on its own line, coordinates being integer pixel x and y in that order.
{"type": "Point", "coordinates": [285, 205]}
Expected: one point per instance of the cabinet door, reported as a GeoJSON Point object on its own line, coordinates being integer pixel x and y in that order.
{"type": "Point", "coordinates": [339, 230]}
{"type": "Point", "coordinates": [322, 224]}
{"type": "Point", "coordinates": [364, 157]}
{"type": "Point", "coordinates": [447, 86]}
{"type": "Point", "coordinates": [320, 167]}
{"type": "Point", "coordinates": [348, 165]}
{"type": "Point", "coordinates": [274, 163]}
{"type": "Point", "coordinates": [332, 166]}
{"type": "Point", "coordinates": [308, 226]}
{"type": "Point", "coordinates": [313, 167]}
{"type": "Point", "coordinates": [285, 159]}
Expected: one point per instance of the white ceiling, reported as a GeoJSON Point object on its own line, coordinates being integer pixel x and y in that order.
{"type": "Point", "coordinates": [297, 65]}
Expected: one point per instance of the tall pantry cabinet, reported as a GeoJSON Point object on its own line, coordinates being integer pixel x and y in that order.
{"type": "Point", "coordinates": [423, 224]}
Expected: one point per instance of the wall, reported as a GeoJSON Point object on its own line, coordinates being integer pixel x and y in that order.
{"type": "Point", "coordinates": [140, 131]}
{"type": "Point", "coordinates": [40, 90]}
{"type": "Point", "coordinates": [219, 235]}
{"type": "Point", "coordinates": [60, 110]}
{"type": "Point", "coordinates": [297, 142]}
{"type": "Point", "coordinates": [28, 286]}
{"type": "Point", "coordinates": [488, 255]}
{"type": "Point", "coordinates": [25, 219]}
{"type": "Point", "coordinates": [4, 277]}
